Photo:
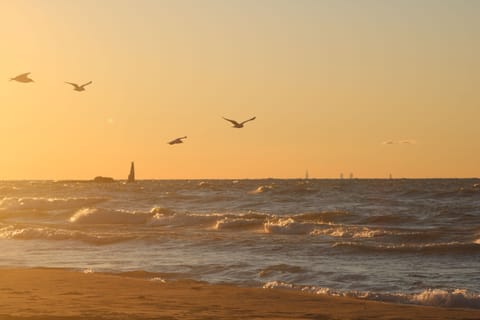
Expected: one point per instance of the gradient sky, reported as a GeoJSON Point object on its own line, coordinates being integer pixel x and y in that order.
{"type": "Point", "coordinates": [369, 87]}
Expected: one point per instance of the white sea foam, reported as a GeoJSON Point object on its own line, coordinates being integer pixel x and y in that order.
{"type": "Point", "coordinates": [46, 233]}
{"type": "Point", "coordinates": [456, 298]}
{"type": "Point", "coordinates": [160, 210]}
{"type": "Point", "coordinates": [287, 226]}
{"type": "Point", "coordinates": [262, 189]}
{"type": "Point", "coordinates": [158, 279]}
{"type": "Point", "coordinates": [10, 232]}
{"type": "Point", "coordinates": [278, 285]}
{"type": "Point", "coordinates": [349, 232]}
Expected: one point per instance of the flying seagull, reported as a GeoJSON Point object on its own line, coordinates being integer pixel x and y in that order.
{"type": "Point", "coordinates": [22, 78]}
{"type": "Point", "coordinates": [77, 87]}
{"type": "Point", "coordinates": [239, 125]}
{"type": "Point", "coordinates": [178, 140]}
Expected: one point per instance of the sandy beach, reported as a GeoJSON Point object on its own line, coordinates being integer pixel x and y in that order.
{"type": "Point", "coordinates": [64, 294]}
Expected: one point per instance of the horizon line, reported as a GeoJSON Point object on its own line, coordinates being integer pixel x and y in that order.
{"type": "Point", "coordinates": [233, 179]}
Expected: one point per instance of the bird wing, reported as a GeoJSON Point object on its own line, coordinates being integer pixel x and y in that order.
{"type": "Point", "coordinates": [73, 84]}
{"type": "Point", "coordinates": [23, 76]}
{"type": "Point", "coordinates": [86, 84]}
{"type": "Point", "coordinates": [232, 121]}
{"type": "Point", "coordinates": [251, 119]}
{"type": "Point", "coordinates": [175, 141]}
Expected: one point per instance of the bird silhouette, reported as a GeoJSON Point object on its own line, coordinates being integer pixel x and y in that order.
{"type": "Point", "coordinates": [239, 125]}
{"type": "Point", "coordinates": [22, 78]}
{"type": "Point", "coordinates": [177, 141]}
{"type": "Point", "coordinates": [76, 87]}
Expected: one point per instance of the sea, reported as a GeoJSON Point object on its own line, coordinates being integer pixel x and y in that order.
{"type": "Point", "coordinates": [394, 240]}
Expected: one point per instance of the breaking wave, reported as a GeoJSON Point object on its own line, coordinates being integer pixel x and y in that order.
{"type": "Point", "coordinates": [287, 226]}
{"type": "Point", "coordinates": [105, 216]}
{"type": "Point", "coordinates": [350, 232]}
{"type": "Point", "coordinates": [262, 189]}
{"type": "Point", "coordinates": [456, 298]}
{"type": "Point", "coordinates": [291, 226]}
{"type": "Point", "coordinates": [238, 224]}
{"type": "Point", "coordinates": [44, 233]}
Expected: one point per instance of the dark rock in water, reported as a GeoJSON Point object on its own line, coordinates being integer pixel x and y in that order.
{"type": "Point", "coordinates": [103, 179]}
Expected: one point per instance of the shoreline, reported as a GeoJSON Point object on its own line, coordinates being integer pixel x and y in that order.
{"type": "Point", "coordinates": [46, 293]}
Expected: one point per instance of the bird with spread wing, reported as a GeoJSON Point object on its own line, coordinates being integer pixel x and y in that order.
{"type": "Point", "coordinates": [76, 87]}
{"type": "Point", "coordinates": [239, 124]}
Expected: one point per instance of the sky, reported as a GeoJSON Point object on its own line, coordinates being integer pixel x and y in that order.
{"type": "Point", "coordinates": [365, 87]}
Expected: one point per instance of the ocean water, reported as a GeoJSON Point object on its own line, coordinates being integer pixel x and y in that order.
{"type": "Point", "coordinates": [405, 241]}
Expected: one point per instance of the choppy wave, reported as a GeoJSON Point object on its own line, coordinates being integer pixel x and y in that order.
{"type": "Point", "coordinates": [429, 248]}
{"type": "Point", "coordinates": [44, 233]}
{"type": "Point", "coordinates": [290, 225]}
{"type": "Point", "coordinates": [262, 189]}
{"type": "Point", "coordinates": [45, 204]}
{"type": "Point", "coordinates": [280, 268]}
{"type": "Point", "coordinates": [238, 224]}
{"type": "Point", "coordinates": [174, 219]}
{"type": "Point", "coordinates": [106, 216]}
{"type": "Point", "coordinates": [156, 216]}
{"type": "Point", "coordinates": [456, 298]}
{"type": "Point", "coordinates": [324, 216]}
{"type": "Point", "coordinates": [287, 226]}
{"type": "Point", "coordinates": [350, 232]}
{"type": "Point", "coordinates": [389, 219]}
{"type": "Point", "coordinates": [292, 189]}
{"type": "Point", "coordinates": [290, 230]}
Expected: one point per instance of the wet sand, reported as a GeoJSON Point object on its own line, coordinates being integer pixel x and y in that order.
{"type": "Point", "coordinates": [64, 294]}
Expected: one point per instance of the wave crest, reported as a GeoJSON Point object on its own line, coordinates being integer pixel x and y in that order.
{"type": "Point", "coordinates": [104, 216]}
{"type": "Point", "coordinates": [349, 232]}
{"type": "Point", "coordinates": [262, 189]}
{"type": "Point", "coordinates": [287, 226]}
{"type": "Point", "coordinates": [43, 233]}
{"type": "Point", "coordinates": [238, 224]}
{"type": "Point", "coordinates": [456, 298]}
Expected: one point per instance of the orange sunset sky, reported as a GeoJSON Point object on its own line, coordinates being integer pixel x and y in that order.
{"type": "Point", "coordinates": [369, 87]}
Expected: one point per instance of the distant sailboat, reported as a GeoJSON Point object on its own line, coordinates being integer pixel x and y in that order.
{"type": "Point", "coordinates": [131, 175]}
